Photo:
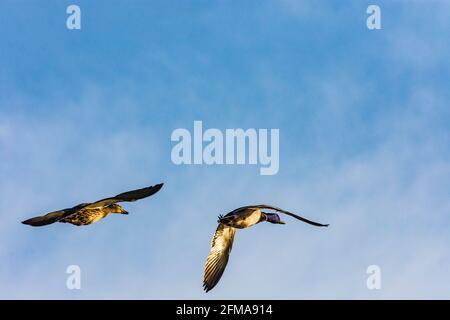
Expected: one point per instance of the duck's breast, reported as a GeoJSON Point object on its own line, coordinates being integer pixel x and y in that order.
{"type": "Point", "coordinates": [85, 216]}
{"type": "Point", "coordinates": [248, 218]}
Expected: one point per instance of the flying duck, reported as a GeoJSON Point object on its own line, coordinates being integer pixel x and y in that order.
{"type": "Point", "coordinates": [89, 213]}
{"type": "Point", "coordinates": [222, 241]}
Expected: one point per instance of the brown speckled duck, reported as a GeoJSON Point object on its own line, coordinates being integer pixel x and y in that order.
{"type": "Point", "coordinates": [89, 213]}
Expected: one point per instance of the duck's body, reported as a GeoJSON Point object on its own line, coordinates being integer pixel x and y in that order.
{"type": "Point", "coordinates": [243, 218]}
{"type": "Point", "coordinates": [89, 213]}
{"type": "Point", "coordinates": [222, 242]}
{"type": "Point", "coordinates": [88, 216]}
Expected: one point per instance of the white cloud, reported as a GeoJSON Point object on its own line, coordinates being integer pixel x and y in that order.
{"type": "Point", "coordinates": [387, 204]}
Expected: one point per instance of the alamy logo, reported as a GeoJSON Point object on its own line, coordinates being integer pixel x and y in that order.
{"type": "Point", "coordinates": [374, 280]}
{"type": "Point", "coordinates": [236, 146]}
{"type": "Point", "coordinates": [74, 278]}
{"type": "Point", "coordinates": [373, 21]}
{"type": "Point", "coordinates": [73, 21]}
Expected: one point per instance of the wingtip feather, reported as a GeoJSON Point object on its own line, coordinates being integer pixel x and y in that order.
{"type": "Point", "coordinates": [158, 186]}
{"type": "Point", "coordinates": [34, 222]}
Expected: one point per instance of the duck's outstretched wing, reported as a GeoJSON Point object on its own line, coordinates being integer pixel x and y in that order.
{"type": "Point", "coordinates": [218, 256]}
{"type": "Point", "coordinates": [127, 196]}
{"type": "Point", "coordinates": [54, 216]}
{"type": "Point", "coordinates": [61, 214]}
{"type": "Point", "coordinates": [264, 206]}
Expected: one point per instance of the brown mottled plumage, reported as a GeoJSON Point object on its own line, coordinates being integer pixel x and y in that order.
{"type": "Point", "coordinates": [88, 213]}
{"type": "Point", "coordinates": [88, 216]}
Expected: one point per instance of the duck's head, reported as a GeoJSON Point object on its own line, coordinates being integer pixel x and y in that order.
{"type": "Point", "coordinates": [116, 208]}
{"type": "Point", "coordinates": [274, 218]}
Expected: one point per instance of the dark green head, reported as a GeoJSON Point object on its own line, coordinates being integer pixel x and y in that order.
{"type": "Point", "coordinates": [274, 218]}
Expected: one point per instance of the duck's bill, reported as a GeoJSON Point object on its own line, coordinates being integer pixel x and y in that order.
{"type": "Point", "coordinates": [281, 222]}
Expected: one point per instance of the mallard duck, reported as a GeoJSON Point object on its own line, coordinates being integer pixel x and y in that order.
{"type": "Point", "coordinates": [222, 241]}
{"type": "Point", "coordinates": [89, 213]}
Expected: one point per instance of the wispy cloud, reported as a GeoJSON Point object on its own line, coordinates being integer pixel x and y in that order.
{"type": "Point", "coordinates": [363, 141]}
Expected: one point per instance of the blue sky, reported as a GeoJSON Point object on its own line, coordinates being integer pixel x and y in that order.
{"type": "Point", "coordinates": [364, 145]}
